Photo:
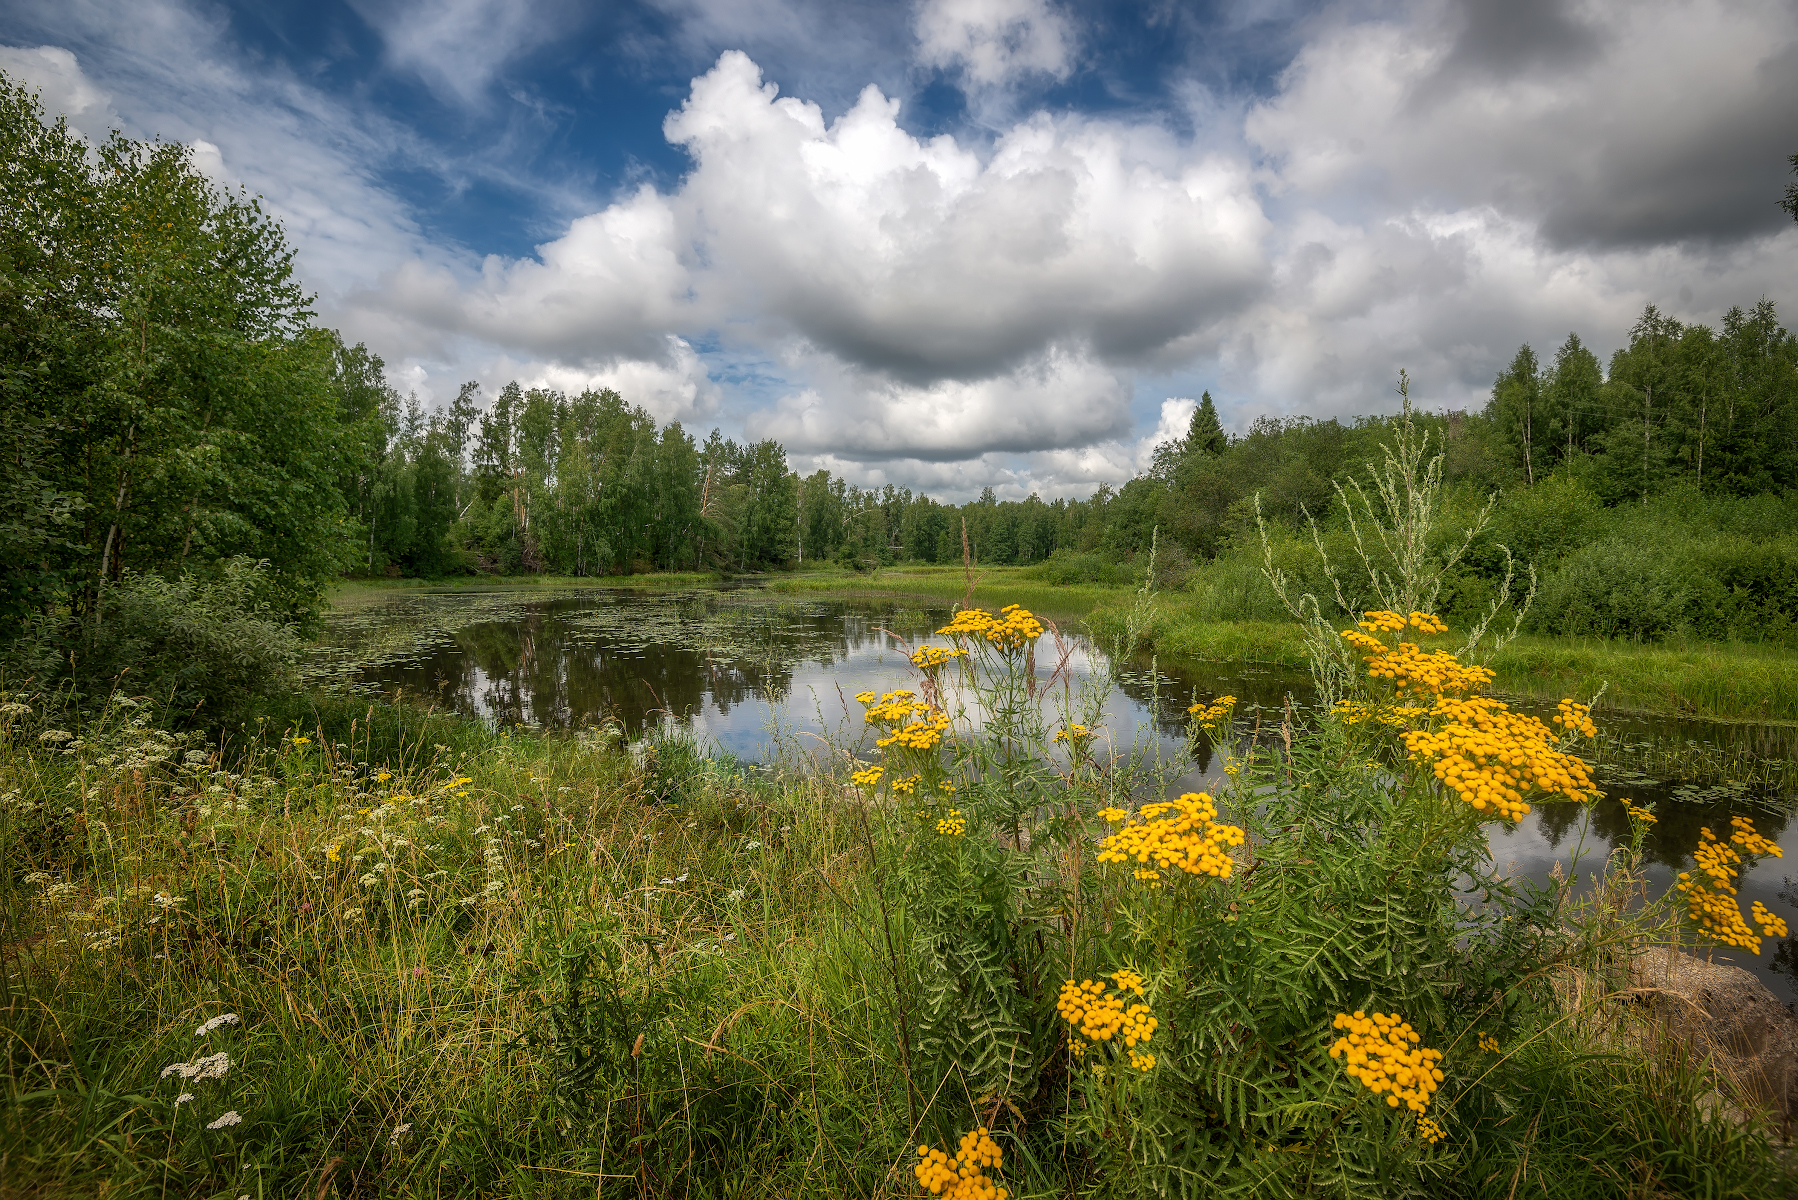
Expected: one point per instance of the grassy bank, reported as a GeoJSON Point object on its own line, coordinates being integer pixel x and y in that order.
{"type": "Point", "coordinates": [1728, 681]}
{"type": "Point", "coordinates": [460, 962]}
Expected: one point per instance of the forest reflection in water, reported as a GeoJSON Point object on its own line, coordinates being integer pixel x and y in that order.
{"type": "Point", "coordinates": [737, 666]}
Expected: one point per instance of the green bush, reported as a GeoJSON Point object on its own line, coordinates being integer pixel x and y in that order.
{"type": "Point", "coordinates": [1066, 568]}
{"type": "Point", "coordinates": [206, 645]}
{"type": "Point", "coordinates": [1647, 589]}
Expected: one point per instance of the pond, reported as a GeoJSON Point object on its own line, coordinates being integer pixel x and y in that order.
{"type": "Point", "coordinates": [745, 671]}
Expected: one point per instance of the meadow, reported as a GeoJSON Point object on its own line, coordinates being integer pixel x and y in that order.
{"type": "Point", "coordinates": [367, 949]}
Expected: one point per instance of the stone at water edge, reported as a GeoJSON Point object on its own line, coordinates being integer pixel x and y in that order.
{"type": "Point", "coordinates": [1730, 1014]}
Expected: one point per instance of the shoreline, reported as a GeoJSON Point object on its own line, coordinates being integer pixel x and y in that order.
{"type": "Point", "coordinates": [1729, 682]}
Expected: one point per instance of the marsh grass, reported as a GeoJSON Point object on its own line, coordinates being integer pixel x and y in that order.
{"type": "Point", "coordinates": [724, 899]}
{"type": "Point", "coordinates": [557, 964]}
{"type": "Point", "coordinates": [1731, 681]}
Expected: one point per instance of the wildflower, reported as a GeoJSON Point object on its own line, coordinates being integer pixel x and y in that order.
{"type": "Point", "coordinates": [1492, 757]}
{"type": "Point", "coordinates": [225, 1120]}
{"type": "Point", "coordinates": [183, 1098]}
{"type": "Point", "coordinates": [964, 1177]}
{"type": "Point", "coordinates": [1073, 735]}
{"type": "Point", "coordinates": [399, 1131]}
{"type": "Point", "coordinates": [907, 785]}
{"type": "Point", "coordinates": [301, 742]}
{"type": "Point", "coordinates": [1098, 1017]}
{"type": "Point", "coordinates": [929, 658]}
{"type": "Point", "coordinates": [334, 852]}
{"type": "Point", "coordinates": [213, 1066]}
{"type": "Point", "coordinates": [1190, 840]}
{"type": "Point", "coordinates": [867, 777]}
{"type": "Point", "coordinates": [1575, 718]}
{"type": "Point", "coordinates": [383, 776]}
{"type": "Point", "coordinates": [1112, 815]}
{"type": "Point", "coordinates": [952, 825]}
{"type": "Point", "coordinates": [1378, 1051]}
{"type": "Point", "coordinates": [1710, 896]}
{"type": "Point", "coordinates": [1771, 926]}
{"type": "Point", "coordinates": [216, 1022]}
{"type": "Point", "coordinates": [1209, 716]}
{"type": "Point", "coordinates": [1428, 1130]}
{"type": "Point", "coordinates": [1643, 815]}
{"type": "Point", "coordinates": [1488, 1043]}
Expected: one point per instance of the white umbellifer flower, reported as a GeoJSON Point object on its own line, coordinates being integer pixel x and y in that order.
{"type": "Point", "coordinates": [399, 1131]}
{"type": "Point", "coordinates": [225, 1120]}
{"type": "Point", "coordinates": [752, 845]}
{"type": "Point", "coordinates": [216, 1022]}
{"type": "Point", "coordinates": [735, 894]}
{"type": "Point", "coordinates": [183, 1098]}
{"type": "Point", "coordinates": [518, 808]}
{"type": "Point", "coordinates": [213, 1066]}
{"type": "Point", "coordinates": [681, 878]}
{"type": "Point", "coordinates": [667, 883]}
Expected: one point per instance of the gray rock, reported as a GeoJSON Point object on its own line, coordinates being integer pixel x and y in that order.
{"type": "Point", "coordinates": [1728, 1013]}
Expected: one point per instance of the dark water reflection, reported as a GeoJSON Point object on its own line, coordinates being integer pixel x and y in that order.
{"type": "Point", "coordinates": [740, 669]}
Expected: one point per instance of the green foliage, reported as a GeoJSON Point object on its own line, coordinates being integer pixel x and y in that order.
{"type": "Point", "coordinates": [209, 646]}
{"type": "Point", "coordinates": [172, 403]}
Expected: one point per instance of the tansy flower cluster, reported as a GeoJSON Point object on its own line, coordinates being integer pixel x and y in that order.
{"type": "Point", "coordinates": [1488, 1043]}
{"type": "Point", "coordinates": [1207, 716]}
{"type": "Point", "coordinates": [1488, 755]}
{"type": "Point", "coordinates": [1412, 670]}
{"type": "Point", "coordinates": [1012, 629]}
{"type": "Point", "coordinates": [1380, 621]}
{"type": "Point", "coordinates": [1771, 926]}
{"type": "Point", "coordinates": [1575, 717]}
{"type": "Point", "coordinates": [907, 785]}
{"type": "Point", "coordinates": [895, 711]}
{"type": "Point", "coordinates": [918, 735]}
{"type": "Point", "coordinates": [964, 1178]}
{"type": "Point", "coordinates": [1710, 896]}
{"type": "Point", "coordinates": [1073, 735]}
{"type": "Point", "coordinates": [1398, 716]}
{"type": "Point", "coordinates": [1646, 816]}
{"type": "Point", "coordinates": [1381, 1051]}
{"type": "Point", "coordinates": [1099, 1017]}
{"type": "Point", "coordinates": [867, 777]}
{"type": "Point", "coordinates": [1178, 834]}
{"type": "Point", "coordinates": [952, 825]}
{"type": "Point", "coordinates": [1428, 1130]}
{"type": "Point", "coordinates": [929, 658]}
{"type": "Point", "coordinates": [1492, 757]}
{"type": "Point", "coordinates": [891, 707]}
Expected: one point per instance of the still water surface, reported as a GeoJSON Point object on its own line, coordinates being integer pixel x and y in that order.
{"type": "Point", "coordinates": [741, 669]}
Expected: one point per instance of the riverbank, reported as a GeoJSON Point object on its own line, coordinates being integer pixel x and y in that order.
{"type": "Point", "coordinates": [1731, 681]}
{"type": "Point", "coordinates": [1721, 681]}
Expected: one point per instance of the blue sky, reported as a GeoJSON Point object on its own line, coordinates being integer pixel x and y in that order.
{"type": "Point", "coordinates": [953, 243]}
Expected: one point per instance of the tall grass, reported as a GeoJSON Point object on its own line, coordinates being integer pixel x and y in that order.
{"type": "Point", "coordinates": [531, 965]}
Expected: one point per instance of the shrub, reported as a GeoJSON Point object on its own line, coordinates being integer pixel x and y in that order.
{"type": "Point", "coordinates": [209, 645]}
{"type": "Point", "coordinates": [1066, 568]}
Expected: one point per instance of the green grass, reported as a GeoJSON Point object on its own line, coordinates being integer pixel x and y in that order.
{"type": "Point", "coordinates": [1731, 681]}
{"type": "Point", "coordinates": [674, 979]}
